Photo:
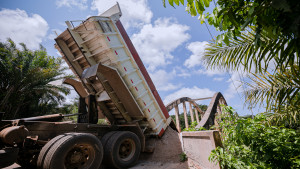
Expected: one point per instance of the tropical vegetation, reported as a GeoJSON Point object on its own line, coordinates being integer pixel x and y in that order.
{"type": "Point", "coordinates": [203, 107]}
{"type": "Point", "coordinates": [262, 38]}
{"type": "Point", "coordinates": [27, 81]}
{"type": "Point", "coordinates": [253, 143]}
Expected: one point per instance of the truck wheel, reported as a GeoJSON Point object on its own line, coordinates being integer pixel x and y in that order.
{"type": "Point", "coordinates": [122, 150]}
{"type": "Point", "coordinates": [107, 136]}
{"type": "Point", "coordinates": [45, 149]}
{"type": "Point", "coordinates": [71, 151]}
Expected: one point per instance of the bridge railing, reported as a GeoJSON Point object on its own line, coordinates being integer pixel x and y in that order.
{"type": "Point", "coordinates": [207, 117]}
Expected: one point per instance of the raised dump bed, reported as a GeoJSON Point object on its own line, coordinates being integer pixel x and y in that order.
{"type": "Point", "coordinates": [113, 83]}
{"type": "Point", "coordinates": [101, 55]}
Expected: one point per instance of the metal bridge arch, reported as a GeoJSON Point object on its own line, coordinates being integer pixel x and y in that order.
{"type": "Point", "coordinates": [207, 117]}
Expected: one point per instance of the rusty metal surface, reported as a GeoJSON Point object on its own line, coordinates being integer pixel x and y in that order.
{"type": "Point", "coordinates": [51, 117]}
{"type": "Point", "coordinates": [47, 130]}
{"type": "Point", "coordinates": [77, 85]}
{"type": "Point", "coordinates": [13, 135]}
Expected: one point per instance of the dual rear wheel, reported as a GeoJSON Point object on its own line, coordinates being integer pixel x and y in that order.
{"type": "Point", "coordinates": [121, 149]}
{"type": "Point", "coordinates": [84, 151]}
{"type": "Point", "coordinates": [71, 151]}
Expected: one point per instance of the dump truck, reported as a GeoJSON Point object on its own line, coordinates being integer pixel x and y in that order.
{"type": "Point", "coordinates": [113, 84]}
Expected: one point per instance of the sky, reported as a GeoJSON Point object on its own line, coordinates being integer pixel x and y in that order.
{"type": "Point", "coordinates": [169, 41]}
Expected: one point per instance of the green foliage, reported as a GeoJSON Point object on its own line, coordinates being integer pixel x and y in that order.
{"type": "Point", "coordinates": [25, 81]}
{"type": "Point", "coordinates": [256, 34]}
{"type": "Point", "coordinates": [252, 143]}
{"type": "Point", "coordinates": [181, 116]}
{"type": "Point", "coordinates": [183, 157]}
{"type": "Point", "coordinates": [192, 127]}
{"type": "Point", "coordinates": [102, 122]}
{"type": "Point", "coordinates": [203, 107]}
{"type": "Point", "coordinates": [278, 89]}
{"type": "Point", "coordinates": [243, 53]}
{"type": "Point", "coordinates": [181, 120]}
{"type": "Point", "coordinates": [287, 114]}
{"type": "Point", "coordinates": [279, 18]}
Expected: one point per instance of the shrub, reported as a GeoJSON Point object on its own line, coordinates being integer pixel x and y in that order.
{"type": "Point", "coordinates": [192, 127]}
{"type": "Point", "coordinates": [252, 143]}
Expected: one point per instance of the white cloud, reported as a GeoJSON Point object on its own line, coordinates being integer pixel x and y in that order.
{"type": "Point", "coordinates": [135, 13]}
{"type": "Point", "coordinates": [17, 25]}
{"type": "Point", "coordinates": [81, 4]}
{"type": "Point", "coordinates": [210, 72]}
{"type": "Point", "coordinates": [234, 87]}
{"type": "Point", "coordinates": [162, 79]}
{"type": "Point", "coordinates": [182, 72]}
{"type": "Point", "coordinates": [155, 42]}
{"type": "Point", "coordinates": [197, 49]}
{"type": "Point", "coordinates": [54, 33]}
{"type": "Point", "coordinates": [218, 79]}
{"type": "Point", "coordinates": [193, 93]}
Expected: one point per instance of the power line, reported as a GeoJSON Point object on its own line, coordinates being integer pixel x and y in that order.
{"type": "Point", "coordinates": [234, 85]}
{"type": "Point", "coordinates": [227, 72]}
{"type": "Point", "coordinates": [208, 30]}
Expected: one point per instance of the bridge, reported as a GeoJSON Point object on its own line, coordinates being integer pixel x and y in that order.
{"type": "Point", "coordinates": [207, 117]}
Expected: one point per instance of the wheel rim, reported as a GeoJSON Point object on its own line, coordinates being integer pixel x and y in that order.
{"type": "Point", "coordinates": [80, 156]}
{"type": "Point", "coordinates": [127, 149]}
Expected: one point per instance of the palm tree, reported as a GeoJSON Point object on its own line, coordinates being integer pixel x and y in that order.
{"type": "Point", "coordinates": [272, 67]}
{"type": "Point", "coordinates": [25, 78]}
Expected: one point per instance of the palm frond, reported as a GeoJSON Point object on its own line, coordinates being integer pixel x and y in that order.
{"type": "Point", "coordinates": [280, 88]}
{"type": "Point", "coordinates": [24, 80]}
{"type": "Point", "coordinates": [243, 51]}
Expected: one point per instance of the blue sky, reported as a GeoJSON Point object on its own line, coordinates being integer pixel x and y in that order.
{"type": "Point", "coordinates": [169, 41]}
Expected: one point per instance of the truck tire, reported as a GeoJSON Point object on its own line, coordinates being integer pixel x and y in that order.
{"type": "Point", "coordinates": [107, 136]}
{"type": "Point", "coordinates": [71, 150]}
{"type": "Point", "coordinates": [122, 150]}
{"type": "Point", "coordinates": [45, 149]}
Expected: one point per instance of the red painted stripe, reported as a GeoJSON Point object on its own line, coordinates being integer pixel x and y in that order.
{"type": "Point", "coordinates": [148, 110]}
{"type": "Point", "coordinates": [154, 120]}
{"type": "Point", "coordinates": [144, 103]}
{"type": "Point", "coordinates": [136, 88]}
{"type": "Point", "coordinates": [116, 53]}
{"type": "Point", "coordinates": [161, 132]}
{"type": "Point", "coordinates": [108, 38]}
{"type": "Point", "coordinates": [142, 68]}
{"type": "Point", "coordinates": [125, 69]}
{"type": "Point", "coordinates": [131, 80]}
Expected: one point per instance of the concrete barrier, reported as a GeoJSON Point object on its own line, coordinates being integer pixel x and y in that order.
{"type": "Point", "coordinates": [197, 145]}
